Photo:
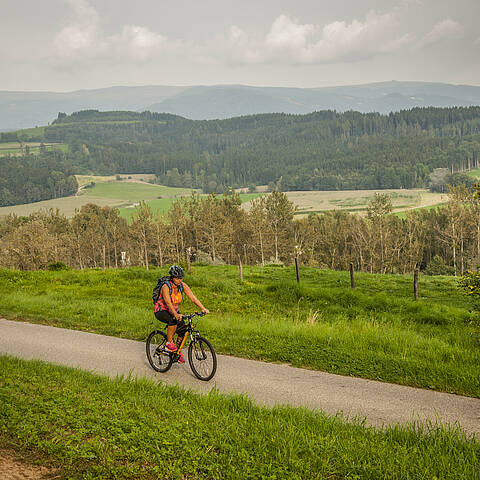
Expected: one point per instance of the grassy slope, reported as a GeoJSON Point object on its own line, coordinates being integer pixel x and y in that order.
{"type": "Point", "coordinates": [133, 191]}
{"type": "Point", "coordinates": [376, 331]}
{"type": "Point", "coordinates": [93, 427]}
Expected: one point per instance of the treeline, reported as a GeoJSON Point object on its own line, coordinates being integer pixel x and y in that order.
{"type": "Point", "coordinates": [319, 151]}
{"type": "Point", "coordinates": [32, 178]}
{"type": "Point", "coordinates": [216, 229]}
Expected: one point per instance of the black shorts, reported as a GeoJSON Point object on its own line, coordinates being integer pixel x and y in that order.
{"type": "Point", "coordinates": [166, 317]}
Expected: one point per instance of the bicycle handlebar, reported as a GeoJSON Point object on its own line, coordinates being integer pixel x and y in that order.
{"type": "Point", "coordinates": [195, 314]}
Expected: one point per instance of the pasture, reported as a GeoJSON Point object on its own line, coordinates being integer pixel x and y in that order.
{"type": "Point", "coordinates": [357, 200]}
{"type": "Point", "coordinates": [17, 148]}
{"type": "Point", "coordinates": [123, 194]}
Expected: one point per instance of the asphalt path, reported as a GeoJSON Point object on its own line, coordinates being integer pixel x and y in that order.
{"type": "Point", "coordinates": [267, 384]}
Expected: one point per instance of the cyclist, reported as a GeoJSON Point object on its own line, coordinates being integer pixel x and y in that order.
{"type": "Point", "coordinates": [166, 309]}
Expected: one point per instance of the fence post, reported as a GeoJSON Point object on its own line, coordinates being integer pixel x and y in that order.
{"type": "Point", "coordinates": [240, 269]}
{"type": "Point", "coordinates": [297, 269]}
{"type": "Point", "coordinates": [352, 280]}
{"type": "Point", "coordinates": [188, 251]}
{"type": "Point", "coordinates": [415, 283]}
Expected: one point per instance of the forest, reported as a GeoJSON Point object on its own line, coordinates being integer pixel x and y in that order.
{"type": "Point", "coordinates": [32, 178]}
{"type": "Point", "coordinates": [319, 151]}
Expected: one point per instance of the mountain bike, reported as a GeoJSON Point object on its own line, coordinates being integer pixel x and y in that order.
{"type": "Point", "coordinates": [201, 355]}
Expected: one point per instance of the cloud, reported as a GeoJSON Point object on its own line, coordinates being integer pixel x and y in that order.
{"type": "Point", "coordinates": [82, 39]}
{"type": "Point", "coordinates": [289, 41]}
{"type": "Point", "coordinates": [447, 28]}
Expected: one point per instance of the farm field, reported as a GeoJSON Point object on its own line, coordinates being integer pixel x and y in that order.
{"type": "Point", "coordinates": [86, 179]}
{"type": "Point", "coordinates": [123, 194]}
{"type": "Point", "coordinates": [15, 148]}
{"type": "Point", "coordinates": [376, 331]}
{"type": "Point", "coordinates": [357, 200]}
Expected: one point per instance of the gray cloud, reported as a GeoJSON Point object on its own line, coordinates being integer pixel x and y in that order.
{"type": "Point", "coordinates": [83, 39]}
{"type": "Point", "coordinates": [447, 28]}
{"type": "Point", "coordinates": [289, 41]}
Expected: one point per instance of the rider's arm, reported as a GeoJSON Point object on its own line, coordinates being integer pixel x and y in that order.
{"type": "Point", "coordinates": [193, 298]}
{"type": "Point", "coordinates": [168, 301]}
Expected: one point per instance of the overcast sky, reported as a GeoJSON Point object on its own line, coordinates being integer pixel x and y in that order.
{"type": "Point", "coordinates": [64, 45]}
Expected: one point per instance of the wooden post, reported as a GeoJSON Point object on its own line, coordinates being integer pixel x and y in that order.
{"type": "Point", "coordinates": [297, 269]}
{"type": "Point", "coordinates": [415, 283]}
{"type": "Point", "coordinates": [189, 250]}
{"type": "Point", "coordinates": [103, 257]}
{"type": "Point", "coordinates": [352, 280]}
{"type": "Point", "coordinates": [240, 270]}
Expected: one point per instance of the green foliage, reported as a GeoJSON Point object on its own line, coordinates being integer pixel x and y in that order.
{"type": "Point", "coordinates": [437, 266]}
{"type": "Point", "coordinates": [95, 427]}
{"type": "Point", "coordinates": [29, 178]}
{"type": "Point", "coordinates": [56, 266]}
{"type": "Point", "coordinates": [470, 284]}
{"type": "Point", "coordinates": [319, 151]}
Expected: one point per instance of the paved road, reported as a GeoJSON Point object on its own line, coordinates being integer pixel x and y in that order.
{"type": "Point", "coordinates": [267, 384]}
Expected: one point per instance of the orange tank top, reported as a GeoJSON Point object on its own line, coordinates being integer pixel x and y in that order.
{"type": "Point", "coordinates": [176, 299]}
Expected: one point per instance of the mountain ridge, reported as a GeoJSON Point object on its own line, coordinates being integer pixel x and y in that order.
{"type": "Point", "coordinates": [205, 102]}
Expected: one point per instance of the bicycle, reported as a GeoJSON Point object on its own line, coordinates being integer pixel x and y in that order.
{"type": "Point", "coordinates": [201, 355]}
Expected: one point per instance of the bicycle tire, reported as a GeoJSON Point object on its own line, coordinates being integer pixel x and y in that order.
{"type": "Point", "coordinates": [160, 362]}
{"type": "Point", "coordinates": [202, 358]}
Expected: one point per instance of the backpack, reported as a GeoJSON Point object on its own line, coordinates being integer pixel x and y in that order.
{"type": "Point", "coordinates": [158, 288]}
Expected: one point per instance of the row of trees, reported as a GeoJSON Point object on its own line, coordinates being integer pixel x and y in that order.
{"type": "Point", "coordinates": [216, 230]}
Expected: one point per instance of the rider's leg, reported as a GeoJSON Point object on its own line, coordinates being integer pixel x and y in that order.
{"type": "Point", "coordinates": [171, 332]}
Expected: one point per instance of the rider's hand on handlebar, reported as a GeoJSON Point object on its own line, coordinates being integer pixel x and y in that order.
{"type": "Point", "coordinates": [178, 316]}
{"type": "Point", "coordinates": [205, 310]}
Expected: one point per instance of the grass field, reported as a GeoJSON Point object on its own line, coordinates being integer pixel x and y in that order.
{"type": "Point", "coordinates": [133, 191]}
{"type": "Point", "coordinates": [123, 194]}
{"type": "Point", "coordinates": [474, 173]}
{"type": "Point", "coordinates": [357, 200]}
{"type": "Point", "coordinates": [376, 331]}
{"type": "Point", "coordinates": [14, 148]}
{"type": "Point", "coordinates": [86, 179]}
{"type": "Point", "coordinates": [87, 426]}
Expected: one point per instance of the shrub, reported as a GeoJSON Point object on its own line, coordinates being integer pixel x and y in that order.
{"type": "Point", "coordinates": [206, 259]}
{"type": "Point", "coordinates": [56, 266]}
{"type": "Point", "coordinates": [470, 284]}
{"type": "Point", "coordinates": [437, 266]}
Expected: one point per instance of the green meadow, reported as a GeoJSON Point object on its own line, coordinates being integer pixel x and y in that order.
{"type": "Point", "coordinates": [90, 427]}
{"type": "Point", "coordinates": [376, 331]}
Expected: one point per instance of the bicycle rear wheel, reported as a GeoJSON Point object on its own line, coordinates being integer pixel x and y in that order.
{"type": "Point", "coordinates": [159, 359]}
{"type": "Point", "coordinates": [202, 358]}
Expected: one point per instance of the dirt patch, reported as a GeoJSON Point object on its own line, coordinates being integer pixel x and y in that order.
{"type": "Point", "coordinates": [14, 467]}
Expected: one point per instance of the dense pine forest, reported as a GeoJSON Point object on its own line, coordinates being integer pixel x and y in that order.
{"type": "Point", "coordinates": [319, 151]}
{"type": "Point", "coordinates": [32, 178]}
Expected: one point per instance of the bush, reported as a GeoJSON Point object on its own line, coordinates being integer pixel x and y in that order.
{"type": "Point", "coordinates": [470, 284]}
{"type": "Point", "coordinates": [206, 259]}
{"type": "Point", "coordinates": [56, 266]}
{"type": "Point", "coordinates": [437, 266]}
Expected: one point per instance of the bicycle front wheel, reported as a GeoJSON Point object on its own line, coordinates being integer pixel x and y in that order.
{"type": "Point", "coordinates": [159, 359]}
{"type": "Point", "coordinates": [202, 358]}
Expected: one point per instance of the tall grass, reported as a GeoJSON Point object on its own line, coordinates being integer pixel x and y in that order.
{"type": "Point", "coordinates": [376, 331]}
{"type": "Point", "coordinates": [93, 427]}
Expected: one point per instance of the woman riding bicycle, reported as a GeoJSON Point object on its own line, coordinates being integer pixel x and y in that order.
{"type": "Point", "coordinates": [166, 308]}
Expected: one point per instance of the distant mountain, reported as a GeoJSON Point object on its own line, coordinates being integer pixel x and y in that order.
{"type": "Point", "coordinates": [29, 109]}
{"type": "Point", "coordinates": [227, 101]}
